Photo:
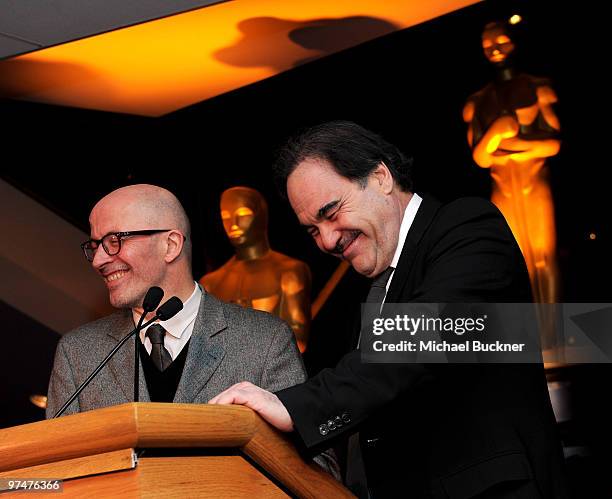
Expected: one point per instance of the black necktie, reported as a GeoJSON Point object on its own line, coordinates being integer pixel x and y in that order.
{"type": "Point", "coordinates": [159, 355]}
{"type": "Point", "coordinates": [355, 468]}
{"type": "Point", "coordinates": [378, 290]}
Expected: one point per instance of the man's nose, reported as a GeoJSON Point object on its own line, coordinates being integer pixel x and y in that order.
{"type": "Point", "coordinates": [329, 238]}
{"type": "Point", "coordinates": [101, 257]}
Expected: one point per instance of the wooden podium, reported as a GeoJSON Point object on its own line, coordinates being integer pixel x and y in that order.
{"type": "Point", "coordinates": [162, 450]}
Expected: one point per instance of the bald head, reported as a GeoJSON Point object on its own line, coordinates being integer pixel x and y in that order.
{"type": "Point", "coordinates": [158, 259]}
{"type": "Point", "coordinates": [147, 204]}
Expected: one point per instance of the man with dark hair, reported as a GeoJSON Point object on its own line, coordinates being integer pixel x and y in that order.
{"type": "Point", "coordinates": [352, 151]}
{"type": "Point", "coordinates": [424, 430]}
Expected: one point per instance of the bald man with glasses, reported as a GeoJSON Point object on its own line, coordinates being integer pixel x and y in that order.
{"type": "Point", "coordinates": [140, 237]}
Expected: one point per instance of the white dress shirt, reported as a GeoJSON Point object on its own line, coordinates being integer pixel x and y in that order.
{"type": "Point", "coordinates": [409, 214]}
{"type": "Point", "coordinates": [178, 328]}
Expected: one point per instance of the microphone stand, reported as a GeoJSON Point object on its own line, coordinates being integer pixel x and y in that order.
{"type": "Point", "coordinates": [137, 356]}
{"type": "Point", "coordinates": [102, 364]}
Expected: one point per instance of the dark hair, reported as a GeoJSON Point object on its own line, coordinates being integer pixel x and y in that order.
{"type": "Point", "coordinates": [353, 151]}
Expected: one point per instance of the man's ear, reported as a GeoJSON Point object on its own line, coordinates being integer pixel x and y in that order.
{"type": "Point", "coordinates": [383, 178]}
{"type": "Point", "coordinates": [175, 241]}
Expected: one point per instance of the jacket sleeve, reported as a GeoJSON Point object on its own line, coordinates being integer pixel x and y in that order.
{"type": "Point", "coordinates": [471, 256]}
{"type": "Point", "coordinates": [283, 364]}
{"type": "Point", "coordinates": [61, 384]}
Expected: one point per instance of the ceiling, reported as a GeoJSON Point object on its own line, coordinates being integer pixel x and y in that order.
{"type": "Point", "coordinates": [159, 66]}
{"type": "Point", "coordinates": [28, 25]}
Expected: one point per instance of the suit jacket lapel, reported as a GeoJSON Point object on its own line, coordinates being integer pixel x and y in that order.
{"type": "Point", "coordinates": [122, 364]}
{"type": "Point", "coordinates": [424, 216]}
{"type": "Point", "coordinates": [205, 349]}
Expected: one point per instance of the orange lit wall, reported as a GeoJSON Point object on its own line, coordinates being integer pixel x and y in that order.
{"type": "Point", "coordinates": [157, 67]}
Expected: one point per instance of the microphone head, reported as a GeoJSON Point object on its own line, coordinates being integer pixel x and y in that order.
{"type": "Point", "coordinates": [169, 309]}
{"type": "Point", "coordinates": [152, 299]}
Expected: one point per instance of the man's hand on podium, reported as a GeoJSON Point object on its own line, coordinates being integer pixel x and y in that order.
{"type": "Point", "coordinates": [266, 404]}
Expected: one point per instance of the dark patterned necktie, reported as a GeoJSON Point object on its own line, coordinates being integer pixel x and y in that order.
{"type": "Point", "coordinates": [159, 355]}
{"type": "Point", "coordinates": [378, 288]}
{"type": "Point", "coordinates": [355, 467]}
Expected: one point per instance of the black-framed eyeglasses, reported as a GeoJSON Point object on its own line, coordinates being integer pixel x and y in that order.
{"type": "Point", "coordinates": [111, 242]}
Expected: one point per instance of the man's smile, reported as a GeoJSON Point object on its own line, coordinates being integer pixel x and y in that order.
{"type": "Point", "coordinates": [114, 275]}
{"type": "Point", "coordinates": [345, 243]}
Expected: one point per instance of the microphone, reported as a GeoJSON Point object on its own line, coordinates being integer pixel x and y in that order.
{"type": "Point", "coordinates": [168, 310]}
{"type": "Point", "coordinates": [150, 303]}
{"type": "Point", "coordinates": [152, 299]}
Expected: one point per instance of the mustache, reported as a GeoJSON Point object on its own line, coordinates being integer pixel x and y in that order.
{"type": "Point", "coordinates": [347, 238]}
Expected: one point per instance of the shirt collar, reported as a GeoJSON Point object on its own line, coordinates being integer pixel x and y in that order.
{"type": "Point", "coordinates": [176, 325]}
{"type": "Point", "coordinates": [409, 214]}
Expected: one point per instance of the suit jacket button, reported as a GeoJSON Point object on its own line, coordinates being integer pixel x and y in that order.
{"type": "Point", "coordinates": [338, 421]}
{"type": "Point", "coordinates": [346, 418]}
{"type": "Point", "coordinates": [331, 425]}
{"type": "Point", "coordinates": [323, 430]}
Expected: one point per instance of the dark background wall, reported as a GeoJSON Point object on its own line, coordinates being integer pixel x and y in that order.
{"type": "Point", "coordinates": [409, 86]}
{"type": "Point", "coordinates": [26, 363]}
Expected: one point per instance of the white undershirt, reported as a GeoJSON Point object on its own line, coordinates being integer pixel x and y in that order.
{"type": "Point", "coordinates": [178, 328]}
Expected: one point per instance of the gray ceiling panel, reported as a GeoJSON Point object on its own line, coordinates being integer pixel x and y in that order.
{"type": "Point", "coordinates": [10, 46]}
{"type": "Point", "coordinates": [51, 22]}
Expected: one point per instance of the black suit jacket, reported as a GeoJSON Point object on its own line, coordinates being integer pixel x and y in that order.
{"type": "Point", "coordinates": [443, 431]}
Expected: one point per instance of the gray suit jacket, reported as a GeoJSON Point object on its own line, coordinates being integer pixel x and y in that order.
{"type": "Point", "coordinates": [229, 344]}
